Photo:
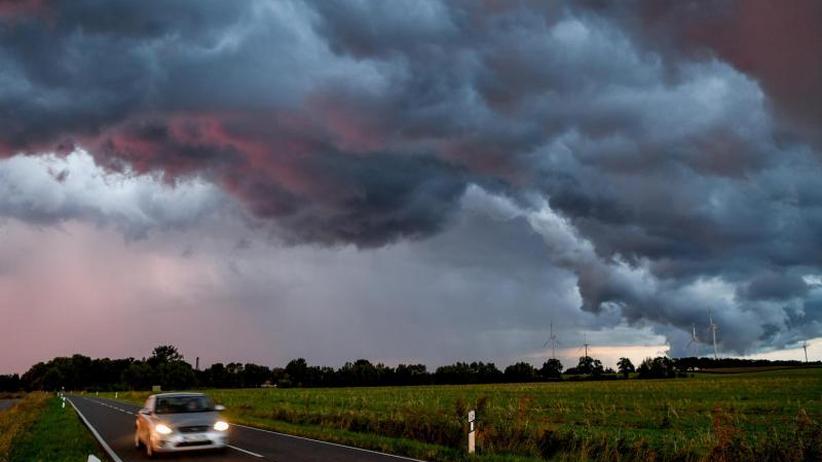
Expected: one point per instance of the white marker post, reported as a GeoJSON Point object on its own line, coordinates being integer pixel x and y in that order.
{"type": "Point", "coordinates": [116, 393]}
{"type": "Point", "coordinates": [472, 438]}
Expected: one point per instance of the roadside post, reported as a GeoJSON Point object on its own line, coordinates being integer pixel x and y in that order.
{"type": "Point", "coordinates": [116, 394]}
{"type": "Point", "coordinates": [472, 438]}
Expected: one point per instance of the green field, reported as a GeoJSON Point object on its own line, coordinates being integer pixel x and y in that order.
{"type": "Point", "coordinates": [773, 415]}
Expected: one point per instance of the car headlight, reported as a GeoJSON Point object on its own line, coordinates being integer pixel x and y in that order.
{"type": "Point", "coordinates": [220, 426]}
{"type": "Point", "coordinates": [162, 429]}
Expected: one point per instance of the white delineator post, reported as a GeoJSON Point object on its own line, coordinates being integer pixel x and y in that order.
{"type": "Point", "coordinates": [472, 433]}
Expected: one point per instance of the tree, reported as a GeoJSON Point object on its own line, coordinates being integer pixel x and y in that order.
{"type": "Point", "coordinates": [486, 372]}
{"type": "Point", "coordinates": [463, 373]}
{"type": "Point", "coordinates": [411, 374]}
{"type": "Point", "coordinates": [551, 369]}
{"type": "Point", "coordinates": [597, 369]}
{"type": "Point", "coordinates": [279, 377]}
{"type": "Point", "coordinates": [176, 375]}
{"type": "Point", "coordinates": [520, 372]}
{"type": "Point", "coordinates": [53, 380]}
{"type": "Point", "coordinates": [234, 375]}
{"type": "Point", "coordinates": [296, 370]}
{"type": "Point", "coordinates": [625, 367]}
{"type": "Point", "coordinates": [10, 383]}
{"type": "Point", "coordinates": [359, 373]}
{"type": "Point", "coordinates": [657, 368]}
{"type": "Point", "coordinates": [164, 354]}
{"type": "Point", "coordinates": [216, 376]}
{"type": "Point", "coordinates": [255, 375]}
{"type": "Point", "coordinates": [139, 376]}
{"type": "Point", "coordinates": [585, 365]}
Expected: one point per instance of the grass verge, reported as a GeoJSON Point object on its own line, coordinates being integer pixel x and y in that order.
{"type": "Point", "coordinates": [55, 435]}
{"type": "Point", "coordinates": [17, 420]}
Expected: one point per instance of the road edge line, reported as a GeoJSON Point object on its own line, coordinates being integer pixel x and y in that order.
{"type": "Point", "coordinates": [99, 438]}
{"type": "Point", "coordinates": [245, 451]}
{"type": "Point", "coordinates": [328, 442]}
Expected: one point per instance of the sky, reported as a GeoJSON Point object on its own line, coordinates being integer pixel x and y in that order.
{"type": "Point", "coordinates": [409, 181]}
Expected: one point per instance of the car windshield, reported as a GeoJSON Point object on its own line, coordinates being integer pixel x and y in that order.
{"type": "Point", "coordinates": [182, 404]}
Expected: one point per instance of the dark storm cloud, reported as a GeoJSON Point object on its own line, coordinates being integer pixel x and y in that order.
{"type": "Point", "coordinates": [679, 144]}
{"type": "Point", "coordinates": [772, 42]}
{"type": "Point", "coordinates": [775, 286]}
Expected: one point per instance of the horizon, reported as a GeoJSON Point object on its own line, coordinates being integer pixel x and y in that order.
{"type": "Point", "coordinates": [426, 182]}
{"type": "Point", "coordinates": [609, 359]}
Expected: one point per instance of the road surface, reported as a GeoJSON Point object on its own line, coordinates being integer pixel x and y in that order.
{"type": "Point", "coordinates": [113, 423]}
{"type": "Point", "coordinates": [7, 403]}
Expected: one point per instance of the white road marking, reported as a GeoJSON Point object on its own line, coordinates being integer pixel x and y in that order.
{"type": "Point", "coordinates": [100, 439]}
{"type": "Point", "coordinates": [328, 443]}
{"type": "Point", "coordinates": [245, 451]}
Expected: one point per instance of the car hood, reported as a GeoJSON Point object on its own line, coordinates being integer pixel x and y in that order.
{"type": "Point", "coordinates": [189, 419]}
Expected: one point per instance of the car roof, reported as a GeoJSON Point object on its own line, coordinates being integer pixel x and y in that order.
{"type": "Point", "coordinates": [159, 395]}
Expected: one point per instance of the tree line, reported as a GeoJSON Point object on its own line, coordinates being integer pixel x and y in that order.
{"type": "Point", "coordinates": [167, 367]}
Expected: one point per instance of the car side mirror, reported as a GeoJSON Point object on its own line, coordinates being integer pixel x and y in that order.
{"type": "Point", "coordinates": [145, 412]}
{"type": "Point", "coordinates": [219, 407]}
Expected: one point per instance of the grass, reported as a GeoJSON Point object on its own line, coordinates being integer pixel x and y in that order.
{"type": "Point", "coordinates": [47, 432]}
{"type": "Point", "coordinates": [772, 415]}
{"type": "Point", "coordinates": [16, 421]}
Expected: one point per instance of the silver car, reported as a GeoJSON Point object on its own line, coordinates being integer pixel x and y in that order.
{"type": "Point", "coordinates": [171, 422]}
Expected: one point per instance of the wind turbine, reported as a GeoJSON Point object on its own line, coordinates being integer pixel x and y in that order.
{"type": "Point", "coordinates": [693, 340]}
{"type": "Point", "coordinates": [585, 344]}
{"type": "Point", "coordinates": [553, 341]}
{"type": "Point", "coordinates": [713, 328]}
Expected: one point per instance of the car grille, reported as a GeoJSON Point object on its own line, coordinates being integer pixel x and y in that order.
{"type": "Point", "coordinates": [187, 444]}
{"type": "Point", "coordinates": [194, 429]}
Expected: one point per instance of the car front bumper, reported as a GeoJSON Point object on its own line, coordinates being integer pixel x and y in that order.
{"type": "Point", "coordinates": [189, 441]}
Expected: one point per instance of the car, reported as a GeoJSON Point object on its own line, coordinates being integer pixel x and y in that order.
{"type": "Point", "coordinates": [172, 422]}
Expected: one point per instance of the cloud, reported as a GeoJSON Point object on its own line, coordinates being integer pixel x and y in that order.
{"type": "Point", "coordinates": [775, 286]}
{"type": "Point", "coordinates": [482, 289]}
{"type": "Point", "coordinates": [667, 165]}
{"type": "Point", "coordinates": [50, 190]}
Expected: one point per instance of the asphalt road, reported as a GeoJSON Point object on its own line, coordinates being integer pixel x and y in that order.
{"type": "Point", "coordinates": [113, 423]}
{"type": "Point", "coordinates": [7, 403]}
